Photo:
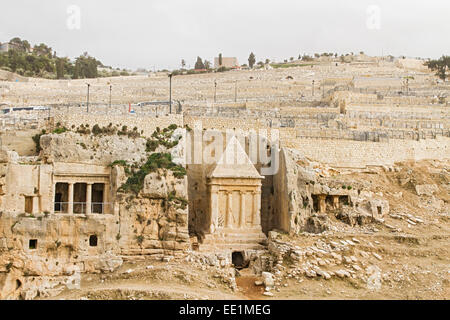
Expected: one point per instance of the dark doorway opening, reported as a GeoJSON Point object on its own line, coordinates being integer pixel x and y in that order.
{"type": "Point", "coordinates": [237, 258]}
{"type": "Point", "coordinates": [32, 244]}
{"type": "Point", "coordinates": [62, 197]}
{"type": "Point", "coordinates": [93, 240]}
{"type": "Point", "coordinates": [315, 199]}
{"type": "Point", "coordinates": [344, 201]}
{"type": "Point", "coordinates": [97, 198]}
{"type": "Point", "coordinates": [28, 204]}
{"type": "Point", "coordinates": [58, 200]}
{"type": "Point", "coordinates": [79, 198]}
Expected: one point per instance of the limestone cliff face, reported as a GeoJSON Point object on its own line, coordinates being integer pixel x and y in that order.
{"type": "Point", "coordinates": [291, 185]}
{"type": "Point", "coordinates": [308, 193]}
{"type": "Point", "coordinates": [154, 222]}
{"type": "Point", "coordinates": [102, 150]}
{"type": "Point", "coordinates": [39, 254]}
{"type": "Point", "coordinates": [43, 253]}
{"type": "Point", "coordinates": [43, 250]}
{"type": "Point", "coordinates": [8, 156]}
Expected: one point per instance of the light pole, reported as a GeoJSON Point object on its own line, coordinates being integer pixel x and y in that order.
{"type": "Point", "coordinates": [313, 88]}
{"type": "Point", "coordinates": [87, 104]}
{"type": "Point", "coordinates": [170, 92]}
{"type": "Point", "coordinates": [110, 92]}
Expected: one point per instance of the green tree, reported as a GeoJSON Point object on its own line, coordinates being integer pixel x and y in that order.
{"type": "Point", "coordinates": [220, 60]}
{"type": "Point", "coordinates": [441, 66]}
{"type": "Point", "coordinates": [68, 66]}
{"type": "Point", "coordinates": [32, 64]}
{"type": "Point", "coordinates": [77, 71]}
{"type": "Point", "coordinates": [42, 50]}
{"type": "Point", "coordinates": [16, 60]}
{"type": "Point", "coordinates": [199, 64]}
{"type": "Point", "coordinates": [19, 45]}
{"type": "Point", "coordinates": [86, 67]}
{"type": "Point", "coordinates": [60, 68]}
{"type": "Point", "coordinates": [251, 60]}
{"type": "Point", "coordinates": [44, 62]}
{"type": "Point", "coordinates": [4, 61]}
{"type": "Point", "coordinates": [26, 45]}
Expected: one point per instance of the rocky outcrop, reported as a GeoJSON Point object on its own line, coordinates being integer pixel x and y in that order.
{"type": "Point", "coordinates": [8, 156]}
{"type": "Point", "coordinates": [314, 191]}
{"type": "Point", "coordinates": [42, 252]}
{"type": "Point", "coordinates": [154, 221]}
{"type": "Point", "coordinates": [317, 224]}
{"type": "Point", "coordinates": [426, 189]}
{"type": "Point", "coordinates": [100, 150]}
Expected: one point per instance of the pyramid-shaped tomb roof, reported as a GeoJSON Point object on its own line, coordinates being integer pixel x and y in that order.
{"type": "Point", "coordinates": [234, 163]}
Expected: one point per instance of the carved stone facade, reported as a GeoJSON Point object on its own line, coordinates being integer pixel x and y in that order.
{"type": "Point", "coordinates": [234, 203]}
{"type": "Point", "coordinates": [234, 194]}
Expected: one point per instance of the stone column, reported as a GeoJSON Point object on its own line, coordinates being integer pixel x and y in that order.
{"type": "Point", "coordinates": [322, 203]}
{"type": "Point", "coordinates": [256, 208]}
{"type": "Point", "coordinates": [229, 209]}
{"type": "Point", "coordinates": [52, 209]}
{"type": "Point", "coordinates": [214, 209]}
{"type": "Point", "coordinates": [335, 202]}
{"type": "Point", "coordinates": [242, 210]}
{"type": "Point", "coordinates": [105, 198]}
{"type": "Point", "coordinates": [35, 208]}
{"type": "Point", "coordinates": [70, 199]}
{"type": "Point", "coordinates": [88, 198]}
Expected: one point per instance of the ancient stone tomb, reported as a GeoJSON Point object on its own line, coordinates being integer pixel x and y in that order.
{"type": "Point", "coordinates": [234, 195]}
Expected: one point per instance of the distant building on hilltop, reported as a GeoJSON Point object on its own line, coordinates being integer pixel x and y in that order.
{"type": "Point", "coordinates": [5, 47]}
{"type": "Point", "coordinates": [226, 62]}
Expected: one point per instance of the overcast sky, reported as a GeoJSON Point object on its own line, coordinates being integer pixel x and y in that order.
{"type": "Point", "coordinates": [159, 33]}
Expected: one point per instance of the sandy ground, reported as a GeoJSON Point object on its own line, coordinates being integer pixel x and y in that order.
{"type": "Point", "coordinates": [414, 271]}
